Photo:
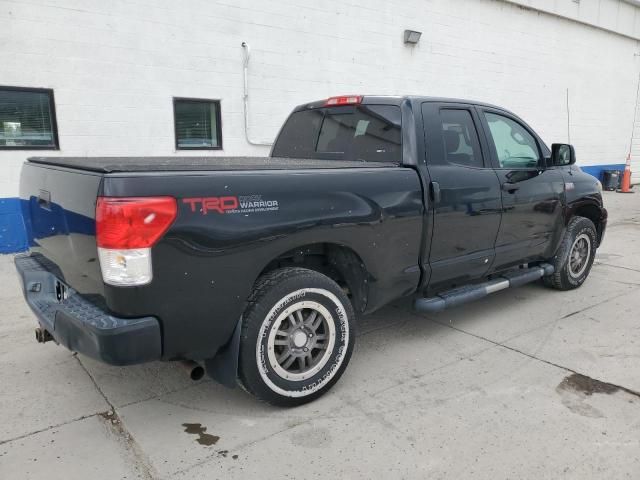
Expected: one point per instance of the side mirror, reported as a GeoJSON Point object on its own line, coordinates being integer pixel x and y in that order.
{"type": "Point", "coordinates": [562, 154]}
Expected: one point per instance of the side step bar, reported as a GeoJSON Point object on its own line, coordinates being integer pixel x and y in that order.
{"type": "Point", "coordinates": [458, 296]}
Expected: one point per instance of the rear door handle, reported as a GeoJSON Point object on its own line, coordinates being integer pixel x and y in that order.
{"type": "Point", "coordinates": [435, 192]}
{"type": "Point", "coordinates": [510, 187]}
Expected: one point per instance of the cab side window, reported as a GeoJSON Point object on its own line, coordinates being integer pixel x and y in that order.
{"type": "Point", "coordinates": [515, 146]}
{"type": "Point", "coordinates": [460, 138]}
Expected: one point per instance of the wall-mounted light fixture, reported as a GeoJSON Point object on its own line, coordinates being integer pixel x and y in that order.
{"type": "Point", "coordinates": [411, 37]}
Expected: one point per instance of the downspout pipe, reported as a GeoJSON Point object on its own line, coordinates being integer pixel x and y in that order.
{"type": "Point", "coordinates": [245, 96]}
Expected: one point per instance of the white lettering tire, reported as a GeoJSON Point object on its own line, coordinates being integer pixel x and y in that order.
{"type": "Point", "coordinates": [297, 337]}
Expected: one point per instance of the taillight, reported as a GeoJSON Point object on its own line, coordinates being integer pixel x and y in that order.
{"type": "Point", "coordinates": [126, 229]}
{"type": "Point", "coordinates": [133, 222]}
{"type": "Point", "coordinates": [343, 100]}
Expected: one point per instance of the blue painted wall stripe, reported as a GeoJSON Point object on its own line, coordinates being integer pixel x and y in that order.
{"type": "Point", "coordinates": [13, 235]}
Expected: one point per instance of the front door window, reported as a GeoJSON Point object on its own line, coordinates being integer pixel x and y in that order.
{"type": "Point", "coordinates": [515, 146]}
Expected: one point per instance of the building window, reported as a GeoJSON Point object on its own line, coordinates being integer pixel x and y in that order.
{"type": "Point", "coordinates": [27, 119]}
{"type": "Point", "coordinates": [197, 124]}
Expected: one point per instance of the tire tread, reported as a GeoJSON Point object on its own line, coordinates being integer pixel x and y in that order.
{"type": "Point", "coordinates": [557, 279]}
{"type": "Point", "coordinates": [262, 288]}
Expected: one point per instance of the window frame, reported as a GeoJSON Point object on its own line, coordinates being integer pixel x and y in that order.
{"type": "Point", "coordinates": [491, 143]}
{"type": "Point", "coordinates": [54, 121]}
{"type": "Point", "coordinates": [218, 103]}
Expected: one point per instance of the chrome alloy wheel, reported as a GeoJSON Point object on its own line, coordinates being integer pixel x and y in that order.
{"type": "Point", "coordinates": [579, 255]}
{"type": "Point", "coordinates": [301, 340]}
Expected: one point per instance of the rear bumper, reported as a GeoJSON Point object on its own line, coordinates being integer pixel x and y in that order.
{"type": "Point", "coordinates": [82, 325]}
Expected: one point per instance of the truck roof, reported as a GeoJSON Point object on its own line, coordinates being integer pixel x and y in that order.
{"type": "Point", "coordinates": [189, 163]}
{"type": "Point", "coordinates": [398, 100]}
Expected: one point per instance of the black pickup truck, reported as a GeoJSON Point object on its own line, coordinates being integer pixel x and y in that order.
{"type": "Point", "coordinates": [256, 268]}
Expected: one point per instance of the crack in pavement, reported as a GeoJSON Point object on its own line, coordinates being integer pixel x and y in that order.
{"type": "Point", "coordinates": [580, 310]}
{"type": "Point", "coordinates": [424, 316]}
{"type": "Point", "coordinates": [534, 356]}
{"type": "Point", "coordinates": [633, 284]}
{"type": "Point", "coordinates": [139, 460]}
{"type": "Point", "coordinates": [84, 417]}
{"type": "Point", "coordinates": [542, 360]}
{"type": "Point", "coordinates": [46, 429]}
{"type": "Point", "coordinates": [618, 266]}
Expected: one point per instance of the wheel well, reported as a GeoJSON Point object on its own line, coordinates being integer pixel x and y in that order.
{"type": "Point", "coordinates": [592, 212]}
{"type": "Point", "coordinates": [337, 262]}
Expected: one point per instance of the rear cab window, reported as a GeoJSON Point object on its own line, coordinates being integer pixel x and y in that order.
{"type": "Point", "coordinates": [366, 133]}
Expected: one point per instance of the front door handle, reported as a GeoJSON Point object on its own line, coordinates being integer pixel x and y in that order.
{"type": "Point", "coordinates": [435, 192]}
{"type": "Point", "coordinates": [510, 187]}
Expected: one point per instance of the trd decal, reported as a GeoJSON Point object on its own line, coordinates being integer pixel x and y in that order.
{"type": "Point", "coordinates": [231, 204]}
{"type": "Point", "coordinates": [207, 204]}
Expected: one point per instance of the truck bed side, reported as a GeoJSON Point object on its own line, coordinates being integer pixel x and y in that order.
{"type": "Point", "coordinates": [207, 263]}
{"type": "Point", "coordinates": [230, 226]}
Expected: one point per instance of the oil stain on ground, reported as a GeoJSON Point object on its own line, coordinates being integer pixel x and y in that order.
{"type": "Point", "coordinates": [203, 438]}
{"type": "Point", "coordinates": [586, 385]}
{"type": "Point", "coordinates": [575, 389]}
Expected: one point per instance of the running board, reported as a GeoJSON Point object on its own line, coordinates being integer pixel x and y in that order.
{"type": "Point", "coordinates": [458, 296]}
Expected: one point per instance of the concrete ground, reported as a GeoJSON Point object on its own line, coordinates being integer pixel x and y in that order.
{"type": "Point", "coordinates": [527, 383]}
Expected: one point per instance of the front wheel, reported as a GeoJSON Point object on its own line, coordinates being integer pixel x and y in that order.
{"type": "Point", "coordinates": [297, 337]}
{"type": "Point", "coordinates": [575, 255]}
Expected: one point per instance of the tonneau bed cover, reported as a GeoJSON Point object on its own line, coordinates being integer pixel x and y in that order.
{"type": "Point", "coordinates": [155, 164]}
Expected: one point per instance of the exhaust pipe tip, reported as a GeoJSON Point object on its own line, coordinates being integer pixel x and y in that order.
{"type": "Point", "coordinates": [194, 370]}
{"type": "Point", "coordinates": [197, 373]}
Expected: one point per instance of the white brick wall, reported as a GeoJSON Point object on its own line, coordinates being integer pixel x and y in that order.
{"type": "Point", "coordinates": [115, 66]}
{"type": "Point", "coordinates": [620, 16]}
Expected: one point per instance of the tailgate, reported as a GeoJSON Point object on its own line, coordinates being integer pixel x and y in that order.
{"type": "Point", "coordinates": [59, 210]}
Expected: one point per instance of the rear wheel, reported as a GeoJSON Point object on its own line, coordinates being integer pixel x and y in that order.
{"type": "Point", "coordinates": [297, 337]}
{"type": "Point", "coordinates": [575, 255]}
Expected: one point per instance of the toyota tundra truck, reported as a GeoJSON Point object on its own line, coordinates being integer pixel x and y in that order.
{"type": "Point", "coordinates": [257, 268]}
